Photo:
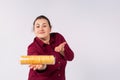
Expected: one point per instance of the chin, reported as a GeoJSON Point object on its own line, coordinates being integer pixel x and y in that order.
{"type": "Point", "coordinates": [41, 37]}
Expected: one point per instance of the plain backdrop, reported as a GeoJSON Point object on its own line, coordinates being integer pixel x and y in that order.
{"type": "Point", "coordinates": [91, 28]}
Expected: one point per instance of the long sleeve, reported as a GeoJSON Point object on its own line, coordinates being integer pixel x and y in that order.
{"type": "Point", "coordinates": [68, 53]}
{"type": "Point", "coordinates": [52, 72]}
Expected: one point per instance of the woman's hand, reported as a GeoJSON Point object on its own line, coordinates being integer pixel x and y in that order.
{"type": "Point", "coordinates": [38, 67]}
{"type": "Point", "coordinates": [60, 48]}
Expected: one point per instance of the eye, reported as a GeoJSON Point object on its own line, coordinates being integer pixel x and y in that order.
{"type": "Point", "coordinates": [44, 26]}
{"type": "Point", "coordinates": [37, 26]}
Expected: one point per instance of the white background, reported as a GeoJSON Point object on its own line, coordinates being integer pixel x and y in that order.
{"type": "Point", "coordinates": [91, 28]}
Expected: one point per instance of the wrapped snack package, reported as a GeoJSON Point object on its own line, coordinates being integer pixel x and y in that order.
{"type": "Point", "coordinates": [37, 59]}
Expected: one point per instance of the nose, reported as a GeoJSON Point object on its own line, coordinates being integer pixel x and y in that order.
{"type": "Point", "coordinates": [40, 28]}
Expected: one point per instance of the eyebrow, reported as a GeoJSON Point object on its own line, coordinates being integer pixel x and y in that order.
{"type": "Point", "coordinates": [38, 23]}
{"type": "Point", "coordinates": [44, 23]}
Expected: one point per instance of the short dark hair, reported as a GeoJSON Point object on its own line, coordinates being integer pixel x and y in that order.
{"type": "Point", "coordinates": [42, 17]}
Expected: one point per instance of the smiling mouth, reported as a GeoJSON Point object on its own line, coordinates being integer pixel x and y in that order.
{"type": "Point", "coordinates": [41, 32]}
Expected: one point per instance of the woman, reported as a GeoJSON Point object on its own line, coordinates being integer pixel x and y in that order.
{"type": "Point", "coordinates": [47, 43]}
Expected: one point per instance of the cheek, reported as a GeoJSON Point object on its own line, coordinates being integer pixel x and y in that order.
{"type": "Point", "coordinates": [35, 32]}
{"type": "Point", "coordinates": [49, 30]}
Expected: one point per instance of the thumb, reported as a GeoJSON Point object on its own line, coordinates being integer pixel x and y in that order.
{"type": "Point", "coordinates": [63, 44]}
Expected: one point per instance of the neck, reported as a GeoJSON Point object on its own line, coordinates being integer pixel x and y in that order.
{"type": "Point", "coordinates": [46, 40]}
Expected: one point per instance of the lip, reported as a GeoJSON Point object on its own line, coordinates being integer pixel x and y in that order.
{"type": "Point", "coordinates": [41, 32]}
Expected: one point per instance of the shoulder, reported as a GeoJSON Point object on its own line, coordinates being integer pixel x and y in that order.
{"type": "Point", "coordinates": [56, 34]}
{"type": "Point", "coordinates": [32, 44]}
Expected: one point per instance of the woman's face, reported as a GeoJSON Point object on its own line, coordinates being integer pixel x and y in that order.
{"type": "Point", "coordinates": [42, 29]}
